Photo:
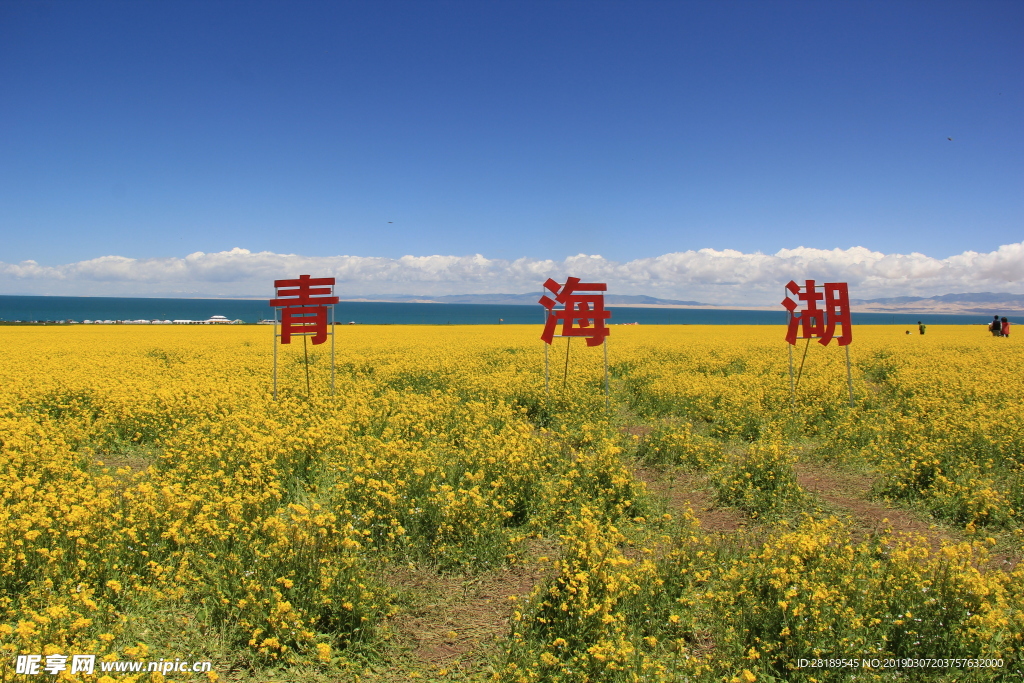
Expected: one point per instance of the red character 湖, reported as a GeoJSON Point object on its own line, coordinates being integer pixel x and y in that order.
{"type": "Point", "coordinates": [820, 323]}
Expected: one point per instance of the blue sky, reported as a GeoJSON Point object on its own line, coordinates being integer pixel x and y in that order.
{"type": "Point", "coordinates": [521, 132]}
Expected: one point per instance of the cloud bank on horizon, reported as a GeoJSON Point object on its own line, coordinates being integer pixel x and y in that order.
{"type": "Point", "coordinates": [706, 275]}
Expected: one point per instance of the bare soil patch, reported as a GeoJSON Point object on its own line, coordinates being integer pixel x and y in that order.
{"type": "Point", "coordinates": [851, 492]}
{"type": "Point", "coordinates": [684, 490]}
{"type": "Point", "coordinates": [457, 614]}
{"type": "Point", "coordinates": [456, 621]}
{"type": "Point", "coordinates": [847, 494]}
{"type": "Point", "coordinates": [637, 430]}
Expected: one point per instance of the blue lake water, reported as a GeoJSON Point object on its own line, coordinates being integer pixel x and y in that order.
{"type": "Point", "coordinates": [28, 308]}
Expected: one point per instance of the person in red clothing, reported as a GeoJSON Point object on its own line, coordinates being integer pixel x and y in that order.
{"type": "Point", "coordinates": [1005, 330]}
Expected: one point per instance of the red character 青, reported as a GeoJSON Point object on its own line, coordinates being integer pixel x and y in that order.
{"type": "Point", "coordinates": [304, 307]}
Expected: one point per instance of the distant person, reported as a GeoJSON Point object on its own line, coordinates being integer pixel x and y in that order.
{"type": "Point", "coordinates": [996, 327]}
{"type": "Point", "coordinates": [1004, 329]}
{"type": "Point", "coordinates": [920, 326]}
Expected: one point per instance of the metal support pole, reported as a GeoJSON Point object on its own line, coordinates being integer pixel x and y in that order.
{"type": "Point", "coordinates": [305, 354]}
{"type": "Point", "coordinates": [849, 375]}
{"type": "Point", "coordinates": [565, 375]}
{"type": "Point", "coordinates": [547, 371]}
{"type": "Point", "coordinates": [334, 327]}
{"type": "Point", "coordinates": [275, 354]}
{"type": "Point", "coordinates": [800, 372]}
{"type": "Point", "coordinates": [792, 383]}
{"type": "Point", "coordinates": [607, 394]}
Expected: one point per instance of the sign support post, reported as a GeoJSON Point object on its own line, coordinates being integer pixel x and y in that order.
{"type": "Point", "coordinates": [849, 375]}
{"type": "Point", "coordinates": [581, 315]}
{"type": "Point", "coordinates": [607, 393]}
{"type": "Point", "coordinates": [792, 384]}
{"type": "Point", "coordinates": [818, 323]}
{"type": "Point", "coordinates": [304, 303]}
{"type": "Point", "coordinates": [334, 328]}
{"type": "Point", "coordinates": [565, 373]}
{"type": "Point", "coordinates": [275, 354]}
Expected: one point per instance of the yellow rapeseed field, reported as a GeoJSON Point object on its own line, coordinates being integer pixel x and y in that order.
{"type": "Point", "coordinates": [158, 503]}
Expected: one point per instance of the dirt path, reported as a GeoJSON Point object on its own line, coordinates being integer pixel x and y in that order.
{"type": "Point", "coordinates": [455, 622]}
{"type": "Point", "coordinates": [846, 494]}
{"type": "Point", "coordinates": [456, 615]}
{"type": "Point", "coordinates": [684, 490]}
{"type": "Point", "coordinates": [850, 493]}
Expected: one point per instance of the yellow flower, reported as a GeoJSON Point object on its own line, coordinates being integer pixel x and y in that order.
{"type": "Point", "coordinates": [548, 659]}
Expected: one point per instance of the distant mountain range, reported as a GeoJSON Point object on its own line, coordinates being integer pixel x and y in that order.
{"type": "Point", "coordinates": [974, 297]}
{"type": "Point", "coordinates": [527, 299]}
{"type": "Point", "coordinates": [967, 302]}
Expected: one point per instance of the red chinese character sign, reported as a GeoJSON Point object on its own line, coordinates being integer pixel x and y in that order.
{"type": "Point", "coordinates": [586, 309]}
{"type": "Point", "coordinates": [576, 311]}
{"type": "Point", "coordinates": [819, 323]}
{"type": "Point", "coordinates": [814, 322]}
{"type": "Point", "coordinates": [304, 303]}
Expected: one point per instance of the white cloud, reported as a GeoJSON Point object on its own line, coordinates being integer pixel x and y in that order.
{"type": "Point", "coordinates": [722, 277]}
